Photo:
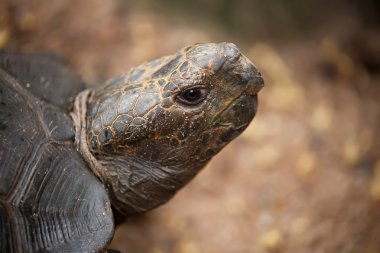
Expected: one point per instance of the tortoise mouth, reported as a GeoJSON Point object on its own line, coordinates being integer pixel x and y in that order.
{"type": "Point", "coordinates": [236, 117]}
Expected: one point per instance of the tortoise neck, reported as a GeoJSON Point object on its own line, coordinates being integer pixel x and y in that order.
{"type": "Point", "coordinates": [138, 186]}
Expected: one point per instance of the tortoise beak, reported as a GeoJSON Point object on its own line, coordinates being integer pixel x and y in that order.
{"type": "Point", "coordinates": [236, 117]}
{"type": "Point", "coordinates": [241, 110]}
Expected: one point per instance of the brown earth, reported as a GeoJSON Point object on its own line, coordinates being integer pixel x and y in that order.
{"type": "Point", "coordinates": [304, 177]}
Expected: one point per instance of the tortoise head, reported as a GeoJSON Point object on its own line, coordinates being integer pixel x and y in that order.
{"type": "Point", "coordinates": [175, 113]}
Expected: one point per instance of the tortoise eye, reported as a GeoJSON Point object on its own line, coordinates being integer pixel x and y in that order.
{"type": "Point", "coordinates": [192, 96]}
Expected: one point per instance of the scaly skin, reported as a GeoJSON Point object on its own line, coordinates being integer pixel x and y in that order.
{"type": "Point", "coordinates": [148, 132]}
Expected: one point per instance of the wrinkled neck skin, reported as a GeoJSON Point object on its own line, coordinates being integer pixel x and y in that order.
{"type": "Point", "coordinates": [135, 186]}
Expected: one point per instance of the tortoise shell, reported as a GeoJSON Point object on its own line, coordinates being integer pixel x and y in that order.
{"type": "Point", "coordinates": [49, 198]}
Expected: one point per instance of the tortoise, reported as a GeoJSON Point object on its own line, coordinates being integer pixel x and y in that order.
{"type": "Point", "coordinates": [74, 159]}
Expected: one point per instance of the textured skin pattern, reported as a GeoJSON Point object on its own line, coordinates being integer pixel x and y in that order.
{"type": "Point", "coordinates": [149, 140]}
{"type": "Point", "coordinates": [49, 200]}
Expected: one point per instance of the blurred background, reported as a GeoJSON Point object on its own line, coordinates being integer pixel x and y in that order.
{"type": "Point", "coordinates": [305, 176]}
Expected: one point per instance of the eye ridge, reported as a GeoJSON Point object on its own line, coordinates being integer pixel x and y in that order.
{"type": "Point", "coordinates": [192, 95]}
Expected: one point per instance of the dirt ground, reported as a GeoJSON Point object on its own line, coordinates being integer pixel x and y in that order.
{"type": "Point", "coordinates": [303, 178]}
